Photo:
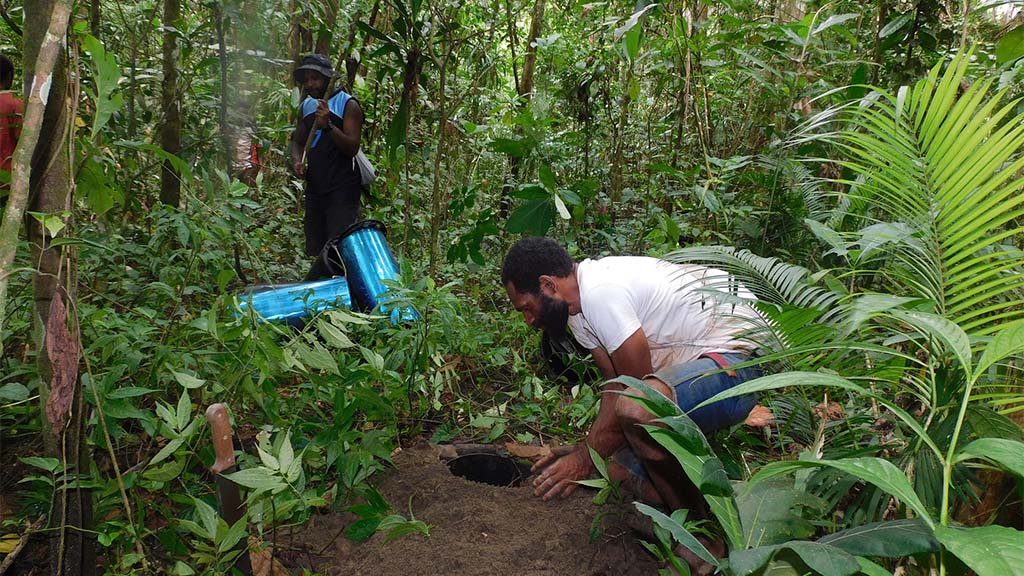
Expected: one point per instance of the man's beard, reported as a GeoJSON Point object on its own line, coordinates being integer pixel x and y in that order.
{"type": "Point", "coordinates": [554, 315]}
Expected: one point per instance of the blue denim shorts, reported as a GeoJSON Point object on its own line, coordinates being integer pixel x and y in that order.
{"type": "Point", "coordinates": [694, 382]}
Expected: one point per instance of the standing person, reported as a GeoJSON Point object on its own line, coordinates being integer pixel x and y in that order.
{"type": "Point", "coordinates": [645, 318]}
{"type": "Point", "coordinates": [333, 190]}
{"type": "Point", "coordinates": [10, 116]}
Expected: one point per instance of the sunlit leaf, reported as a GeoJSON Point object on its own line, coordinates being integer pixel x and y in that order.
{"type": "Point", "coordinates": [988, 550]}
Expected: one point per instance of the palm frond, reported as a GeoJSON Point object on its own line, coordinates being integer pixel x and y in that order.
{"type": "Point", "coordinates": [947, 164]}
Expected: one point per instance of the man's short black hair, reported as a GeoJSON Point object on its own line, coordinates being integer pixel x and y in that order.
{"type": "Point", "coordinates": [532, 257]}
{"type": "Point", "coordinates": [6, 72]}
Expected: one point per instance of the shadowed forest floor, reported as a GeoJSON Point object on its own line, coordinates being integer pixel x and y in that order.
{"type": "Point", "coordinates": [475, 529]}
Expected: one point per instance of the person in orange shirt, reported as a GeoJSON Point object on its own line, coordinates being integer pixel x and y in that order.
{"type": "Point", "coordinates": [10, 118]}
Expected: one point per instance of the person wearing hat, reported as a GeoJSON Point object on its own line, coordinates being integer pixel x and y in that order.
{"type": "Point", "coordinates": [333, 190]}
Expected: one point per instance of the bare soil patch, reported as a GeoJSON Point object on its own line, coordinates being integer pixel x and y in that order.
{"type": "Point", "coordinates": [476, 529]}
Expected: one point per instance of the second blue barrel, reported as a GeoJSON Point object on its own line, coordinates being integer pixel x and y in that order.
{"type": "Point", "coordinates": [368, 263]}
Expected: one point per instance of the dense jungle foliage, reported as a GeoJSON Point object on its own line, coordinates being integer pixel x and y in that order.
{"type": "Point", "coordinates": [858, 165]}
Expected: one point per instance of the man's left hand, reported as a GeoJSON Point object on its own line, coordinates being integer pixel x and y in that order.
{"type": "Point", "coordinates": [559, 472]}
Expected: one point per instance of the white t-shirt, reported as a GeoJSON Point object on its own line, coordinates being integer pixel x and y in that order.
{"type": "Point", "coordinates": [676, 305]}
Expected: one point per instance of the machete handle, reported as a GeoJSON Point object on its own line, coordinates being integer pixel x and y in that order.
{"type": "Point", "coordinates": [223, 446]}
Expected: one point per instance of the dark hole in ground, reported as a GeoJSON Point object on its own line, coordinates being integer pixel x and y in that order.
{"type": "Point", "coordinates": [489, 468]}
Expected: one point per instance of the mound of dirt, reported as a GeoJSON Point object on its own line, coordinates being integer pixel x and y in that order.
{"type": "Point", "coordinates": [478, 529]}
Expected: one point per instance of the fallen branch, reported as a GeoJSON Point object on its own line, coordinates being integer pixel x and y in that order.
{"type": "Point", "coordinates": [22, 542]}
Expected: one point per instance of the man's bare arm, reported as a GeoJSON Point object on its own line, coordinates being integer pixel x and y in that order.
{"type": "Point", "coordinates": [347, 136]}
{"type": "Point", "coordinates": [633, 357]}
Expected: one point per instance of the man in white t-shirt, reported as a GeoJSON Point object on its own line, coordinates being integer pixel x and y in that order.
{"type": "Point", "coordinates": [672, 325]}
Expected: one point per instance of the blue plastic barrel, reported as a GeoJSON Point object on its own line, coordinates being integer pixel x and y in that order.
{"type": "Point", "coordinates": [368, 263]}
{"type": "Point", "coordinates": [295, 301]}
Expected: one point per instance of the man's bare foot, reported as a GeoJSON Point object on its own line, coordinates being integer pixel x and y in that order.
{"type": "Point", "coordinates": [759, 416]}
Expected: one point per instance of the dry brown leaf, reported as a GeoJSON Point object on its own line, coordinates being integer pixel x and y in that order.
{"type": "Point", "coordinates": [834, 410]}
{"type": "Point", "coordinates": [64, 353]}
{"type": "Point", "coordinates": [263, 561]}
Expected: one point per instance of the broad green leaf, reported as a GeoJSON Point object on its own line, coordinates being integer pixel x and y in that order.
{"type": "Point", "coordinates": [1011, 46]}
{"type": "Point", "coordinates": [13, 392]}
{"type": "Point", "coordinates": [881, 473]}
{"type": "Point", "coordinates": [165, 414]}
{"type": "Point", "coordinates": [517, 148]}
{"type": "Point", "coordinates": [182, 569]}
{"type": "Point", "coordinates": [129, 392]}
{"type": "Point", "coordinates": [188, 381]}
{"type": "Point", "coordinates": [889, 539]}
{"type": "Point", "coordinates": [563, 211]}
{"type": "Point", "coordinates": [207, 516]}
{"type": "Point", "coordinates": [195, 529]}
{"type": "Point", "coordinates": [988, 550]}
{"type": "Point", "coordinates": [827, 235]}
{"type": "Point", "coordinates": [375, 360]}
{"type": "Point", "coordinates": [533, 217]}
{"type": "Point", "coordinates": [184, 411]}
{"type": "Point", "coordinates": [935, 326]}
{"type": "Point", "coordinates": [1007, 453]}
{"type": "Point", "coordinates": [547, 178]}
{"type": "Point", "coordinates": [286, 454]}
{"type": "Point", "coordinates": [334, 336]}
{"type": "Point", "coordinates": [259, 479]}
{"type": "Point", "coordinates": [831, 21]}
{"type": "Point", "coordinates": [317, 358]}
{"type": "Point", "coordinates": [599, 463]}
{"type": "Point", "coordinates": [682, 438]}
{"type": "Point", "coordinates": [166, 472]}
{"type": "Point", "coordinates": [362, 529]}
{"type": "Point", "coordinates": [268, 459]}
{"type": "Point", "coordinates": [166, 451]}
{"type": "Point", "coordinates": [52, 222]}
{"type": "Point", "coordinates": [894, 25]}
{"type": "Point", "coordinates": [678, 531]}
{"type": "Point", "coordinates": [770, 512]}
{"type": "Point", "coordinates": [234, 535]}
{"type": "Point", "coordinates": [105, 82]}
{"type": "Point", "coordinates": [713, 479]}
{"type": "Point", "coordinates": [869, 568]}
{"type": "Point", "coordinates": [396, 526]}
{"type": "Point", "coordinates": [822, 558]}
{"type": "Point", "coordinates": [100, 191]}
{"type": "Point", "coordinates": [1007, 342]}
{"type": "Point", "coordinates": [294, 470]}
{"type": "Point", "coordinates": [51, 465]}
{"type": "Point", "coordinates": [655, 402]}
{"type": "Point", "coordinates": [397, 130]}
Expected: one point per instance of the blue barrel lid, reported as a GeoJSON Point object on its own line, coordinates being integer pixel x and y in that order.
{"type": "Point", "coordinates": [362, 225]}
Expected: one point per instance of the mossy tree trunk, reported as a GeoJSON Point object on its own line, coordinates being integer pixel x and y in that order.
{"type": "Point", "coordinates": [170, 130]}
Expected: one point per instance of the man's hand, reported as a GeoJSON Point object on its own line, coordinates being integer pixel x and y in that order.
{"type": "Point", "coordinates": [323, 113]}
{"type": "Point", "coordinates": [561, 469]}
{"type": "Point", "coordinates": [300, 169]}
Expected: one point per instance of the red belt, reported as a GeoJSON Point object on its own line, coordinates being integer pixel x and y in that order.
{"type": "Point", "coordinates": [720, 360]}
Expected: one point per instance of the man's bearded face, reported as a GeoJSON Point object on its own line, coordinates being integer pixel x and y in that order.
{"type": "Point", "coordinates": [554, 315]}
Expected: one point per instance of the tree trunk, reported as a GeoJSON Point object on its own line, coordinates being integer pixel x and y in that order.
{"type": "Point", "coordinates": [409, 83]}
{"type": "Point", "coordinates": [44, 66]}
{"type": "Point", "coordinates": [170, 131]}
{"type": "Point", "coordinates": [525, 93]}
{"type": "Point", "coordinates": [94, 18]}
{"type": "Point", "coordinates": [45, 182]}
{"type": "Point", "coordinates": [325, 36]}
{"type": "Point", "coordinates": [530, 60]}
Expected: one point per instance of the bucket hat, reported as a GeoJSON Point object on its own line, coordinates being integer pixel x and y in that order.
{"type": "Point", "coordinates": [316, 62]}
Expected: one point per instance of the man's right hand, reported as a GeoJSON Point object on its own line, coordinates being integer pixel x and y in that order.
{"type": "Point", "coordinates": [300, 169]}
{"type": "Point", "coordinates": [561, 469]}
